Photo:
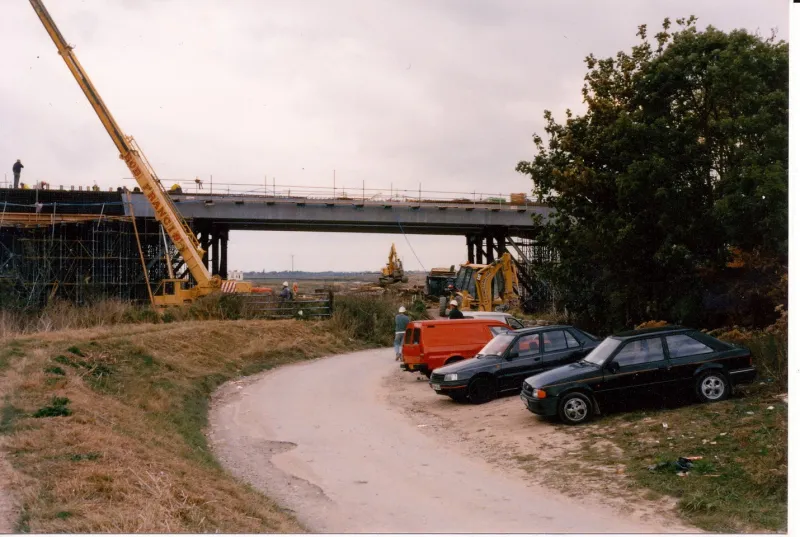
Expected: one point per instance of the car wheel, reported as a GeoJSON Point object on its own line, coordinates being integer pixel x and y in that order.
{"type": "Point", "coordinates": [712, 386]}
{"type": "Point", "coordinates": [575, 408]}
{"type": "Point", "coordinates": [481, 390]}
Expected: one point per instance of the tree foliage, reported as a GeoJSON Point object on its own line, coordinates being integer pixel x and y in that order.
{"type": "Point", "coordinates": [680, 159]}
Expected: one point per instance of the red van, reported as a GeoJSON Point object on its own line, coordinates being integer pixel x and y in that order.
{"type": "Point", "coordinates": [431, 344]}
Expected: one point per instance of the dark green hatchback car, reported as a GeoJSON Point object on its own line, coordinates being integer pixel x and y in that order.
{"type": "Point", "coordinates": [510, 358]}
{"type": "Point", "coordinates": [624, 366]}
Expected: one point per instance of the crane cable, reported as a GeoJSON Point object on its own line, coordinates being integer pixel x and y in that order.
{"type": "Point", "coordinates": [409, 245]}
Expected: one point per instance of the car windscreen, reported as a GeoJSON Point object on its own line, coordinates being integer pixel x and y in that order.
{"type": "Point", "coordinates": [496, 346]}
{"type": "Point", "coordinates": [601, 353]}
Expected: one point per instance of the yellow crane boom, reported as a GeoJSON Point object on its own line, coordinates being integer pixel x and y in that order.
{"type": "Point", "coordinates": [165, 211]}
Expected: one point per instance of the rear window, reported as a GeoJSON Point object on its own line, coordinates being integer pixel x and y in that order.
{"type": "Point", "coordinates": [583, 335]}
{"type": "Point", "coordinates": [514, 323]}
{"type": "Point", "coordinates": [407, 339]}
{"type": "Point", "coordinates": [681, 345]}
{"type": "Point", "coordinates": [415, 338]}
{"type": "Point", "coordinates": [497, 330]}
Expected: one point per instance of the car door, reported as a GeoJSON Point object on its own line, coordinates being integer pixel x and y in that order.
{"type": "Point", "coordinates": [523, 360]}
{"type": "Point", "coordinates": [685, 353]}
{"type": "Point", "coordinates": [642, 366]}
{"type": "Point", "coordinates": [558, 349]}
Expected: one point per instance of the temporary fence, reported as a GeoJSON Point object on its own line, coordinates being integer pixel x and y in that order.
{"type": "Point", "coordinates": [304, 306]}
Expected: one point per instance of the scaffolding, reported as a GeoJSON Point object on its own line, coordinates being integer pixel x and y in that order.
{"type": "Point", "coordinates": [81, 261]}
{"type": "Point", "coordinates": [536, 293]}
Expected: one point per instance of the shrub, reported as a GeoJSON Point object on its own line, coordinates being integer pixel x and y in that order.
{"type": "Point", "coordinates": [368, 318]}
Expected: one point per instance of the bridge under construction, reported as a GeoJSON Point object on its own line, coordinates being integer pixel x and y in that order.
{"type": "Point", "coordinates": [81, 245]}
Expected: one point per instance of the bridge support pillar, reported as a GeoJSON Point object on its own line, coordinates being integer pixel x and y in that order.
{"type": "Point", "coordinates": [223, 258]}
{"type": "Point", "coordinates": [471, 248]}
{"type": "Point", "coordinates": [500, 243]}
{"type": "Point", "coordinates": [478, 243]}
{"type": "Point", "coordinates": [214, 250]}
{"type": "Point", "coordinates": [205, 241]}
{"type": "Point", "coordinates": [489, 249]}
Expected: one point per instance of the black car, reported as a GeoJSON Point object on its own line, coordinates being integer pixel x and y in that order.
{"type": "Point", "coordinates": [628, 364]}
{"type": "Point", "coordinates": [508, 359]}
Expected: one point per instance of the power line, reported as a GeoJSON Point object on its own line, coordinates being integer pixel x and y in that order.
{"type": "Point", "coordinates": [412, 248]}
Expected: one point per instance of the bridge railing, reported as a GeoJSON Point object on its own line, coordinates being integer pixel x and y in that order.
{"type": "Point", "coordinates": [271, 189]}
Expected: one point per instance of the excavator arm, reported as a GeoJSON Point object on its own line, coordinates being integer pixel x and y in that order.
{"type": "Point", "coordinates": [486, 276]}
{"type": "Point", "coordinates": [165, 211]}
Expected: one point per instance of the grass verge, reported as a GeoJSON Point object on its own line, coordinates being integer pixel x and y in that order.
{"type": "Point", "coordinates": [739, 485]}
{"type": "Point", "coordinates": [105, 427]}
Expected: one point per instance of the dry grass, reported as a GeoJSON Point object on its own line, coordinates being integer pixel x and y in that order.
{"type": "Point", "coordinates": [131, 456]}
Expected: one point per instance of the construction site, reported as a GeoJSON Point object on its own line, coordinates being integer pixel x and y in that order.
{"type": "Point", "coordinates": [151, 381]}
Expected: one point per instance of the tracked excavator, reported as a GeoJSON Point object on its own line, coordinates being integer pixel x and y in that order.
{"type": "Point", "coordinates": [483, 287]}
{"type": "Point", "coordinates": [393, 271]}
{"type": "Point", "coordinates": [171, 291]}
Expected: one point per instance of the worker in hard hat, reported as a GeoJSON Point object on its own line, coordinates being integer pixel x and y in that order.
{"type": "Point", "coordinates": [455, 313]}
{"type": "Point", "coordinates": [286, 293]}
{"type": "Point", "coordinates": [176, 189]}
{"type": "Point", "coordinates": [401, 321]}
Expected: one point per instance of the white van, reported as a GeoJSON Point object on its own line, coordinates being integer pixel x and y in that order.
{"type": "Point", "coordinates": [507, 318]}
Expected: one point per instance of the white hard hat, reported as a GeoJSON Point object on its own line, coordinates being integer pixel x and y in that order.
{"type": "Point", "coordinates": [453, 303]}
{"type": "Point", "coordinates": [286, 284]}
{"type": "Point", "coordinates": [402, 309]}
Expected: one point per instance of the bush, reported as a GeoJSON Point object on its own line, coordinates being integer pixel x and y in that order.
{"type": "Point", "coordinates": [367, 318]}
{"type": "Point", "coordinates": [770, 348]}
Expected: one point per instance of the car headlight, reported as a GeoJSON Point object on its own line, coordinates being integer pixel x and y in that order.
{"type": "Point", "coordinates": [450, 376]}
{"type": "Point", "coordinates": [537, 393]}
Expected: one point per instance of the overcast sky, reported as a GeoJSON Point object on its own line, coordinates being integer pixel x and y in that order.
{"type": "Point", "coordinates": [446, 93]}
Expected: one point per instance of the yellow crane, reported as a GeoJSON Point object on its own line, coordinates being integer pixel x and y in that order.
{"type": "Point", "coordinates": [172, 291]}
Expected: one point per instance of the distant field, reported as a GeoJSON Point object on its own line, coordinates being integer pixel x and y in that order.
{"type": "Point", "coordinates": [310, 283]}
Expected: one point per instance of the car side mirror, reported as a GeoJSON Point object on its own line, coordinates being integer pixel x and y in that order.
{"type": "Point", "coordinates": [613, 366]}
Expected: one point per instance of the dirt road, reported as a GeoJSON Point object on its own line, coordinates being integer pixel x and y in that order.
{"type": "Point", "coordinates": [323, 439]}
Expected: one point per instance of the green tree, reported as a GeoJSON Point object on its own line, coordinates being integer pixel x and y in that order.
{"type": "Point", "coordinates": [681, 156]}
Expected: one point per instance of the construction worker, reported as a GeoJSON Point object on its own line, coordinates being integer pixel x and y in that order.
{"type": "Point", "coordinates": [23, 186]}
{"type": "Point", "coordinates": [286, 293]}
{"type": "Point", "coordinates": [294, 289]}
{"type": "Point", "coordinates": [17, 169]}
{"type": "Point", "coordinates": [455, 313]}
{"type": "Point", "coordinates": [401, 321]}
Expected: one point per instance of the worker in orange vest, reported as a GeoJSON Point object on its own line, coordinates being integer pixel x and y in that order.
{"type": "Point", "coordinates": [294, 289]}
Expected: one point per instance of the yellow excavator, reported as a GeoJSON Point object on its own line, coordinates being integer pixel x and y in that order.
{"type": "Point", "coordinates": [171, 291]}
{"type": "Point", "coordinates": [393, 271]}
{"type": "Point", "coordinates": [483, 287]}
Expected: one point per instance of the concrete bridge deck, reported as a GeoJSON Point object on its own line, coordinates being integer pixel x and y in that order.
{"type": "Point", "coordinates": [236, 212]}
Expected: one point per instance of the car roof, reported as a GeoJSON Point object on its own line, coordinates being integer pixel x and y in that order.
{"type": "Point", "coordinates": [478, 314]}
{"type": "Point", "coordinates": [441, 320]}
{"type": "Point", "coordinates": [648, 331]}
{"type": "Point", "coordinates": [534, 329]}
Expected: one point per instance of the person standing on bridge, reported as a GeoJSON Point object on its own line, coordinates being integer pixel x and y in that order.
{"type": "Point", "coordinates": [401, 321]}
{"type": "Point", "coordinates": [455, 313]}
{"type": "Point", "coordinates": [17, 169]}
